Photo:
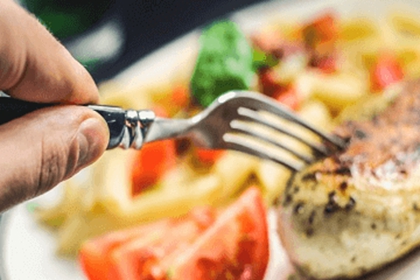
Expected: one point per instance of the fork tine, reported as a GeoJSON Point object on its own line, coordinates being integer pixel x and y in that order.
{"type": "Point", "coordinates": [260, 102]}
{"type": "Point", "coordinates": [247, 130]}
{"type": "Point", "coordinates": [253, 116]}
{"type": "Point", "coordinates": [237, 144]}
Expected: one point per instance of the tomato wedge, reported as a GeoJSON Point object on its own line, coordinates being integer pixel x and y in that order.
{"type": "Point", "coordinates": [206, 244]}
{"type": "Point", "coordinates": [144, 259]}
{"type": "Point", "coordinates": [95, 254]}
{"type": "Point", "coordinates": [235, 247]}
{"type": "Point", "coordinates": [132, 253]}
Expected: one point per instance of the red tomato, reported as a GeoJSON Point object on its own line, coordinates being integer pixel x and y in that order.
{"type": "Point", "coordinates": [152, 160]}
{"type": "Point", "coordinates": [180, 96]}
{"type": "Point", "coordinates": [144, 252]}
{"type": "Point", "coordinates": [235, 247]}
{"type": "Point", "coordinates": [268, 82]}
{"type": "Point", "coordinates": [207, 157]}
{"type": "Point", "coordinates": [386, 71]}
{"type": "Point", "coordinates": [148, 258]}
{"type": "Point", "coordinates": [94, 255]}
{"type": "Point", "coordinates": [322, 29]}
{"type": "Point", "coordinates": [288, 97]}
{"type": "Point", "coordinates": [204, 245]}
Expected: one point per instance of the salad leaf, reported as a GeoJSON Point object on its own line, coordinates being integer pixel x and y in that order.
{"type": "Point", "coordinates": [225, 62]}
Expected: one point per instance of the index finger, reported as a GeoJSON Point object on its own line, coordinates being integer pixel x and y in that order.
{"type": "Point", "coordinates": [34, 66]}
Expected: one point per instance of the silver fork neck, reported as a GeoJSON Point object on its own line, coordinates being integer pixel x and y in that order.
{"type": "Point", "coordinates": [163, 128]}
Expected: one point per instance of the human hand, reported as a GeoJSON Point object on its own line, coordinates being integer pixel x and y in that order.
{"type": "Point", "coordinates": [47, 146]}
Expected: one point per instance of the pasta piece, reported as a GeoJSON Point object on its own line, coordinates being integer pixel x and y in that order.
{"type": "Point", "coordinates": [157, 204]}
{"type": "Point", "coordinates": [111, 186]}
{"type": "Point", "coordinates": [338, 91]}
{"type": "Point", "coordinates": [56, 215]}
{"type": "Point", "coordinates": [405, 23]}
{"type": "Point", "coordinates": [115, 94]}
{"type": "Point", "coordinates": [358, 29]}
{"type": "Point", "coordinates": [81, 227]}
{"type": "Point", "coordinates": [293, 66]}
{"type": "Point", "coordinates": [233, 170]}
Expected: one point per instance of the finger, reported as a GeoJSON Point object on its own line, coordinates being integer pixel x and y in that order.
{"type": "Point", "coordinates": [45, 147]}
{"type": "Point", "coordinates": [34, 66]}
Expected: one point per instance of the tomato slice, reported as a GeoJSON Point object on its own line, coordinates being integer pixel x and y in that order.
{"type": "Point", "coordinates": [235, 247]}
{"type": "Point", "coordinates": [204, 245]}
{"type": "Point", "coordinates": [94, 255]}
{"type": "Point", "coordinates": [134, 253]}
{"type": "Point", "coordinates": [385, 72]}
{"type": "Point", "coordinates": [144, 259]}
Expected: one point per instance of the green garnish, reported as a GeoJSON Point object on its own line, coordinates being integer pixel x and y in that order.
{"type": "Point", "coordinates": [225, 62]}
{"type": "Point", "coordinates": [262, 59]}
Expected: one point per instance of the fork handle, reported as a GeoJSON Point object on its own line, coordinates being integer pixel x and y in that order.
{"type": "Point", "coordinates": [127, 128]}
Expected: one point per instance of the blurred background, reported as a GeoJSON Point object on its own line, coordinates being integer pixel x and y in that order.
{"type": "Point", "coordinates": [107, 36]}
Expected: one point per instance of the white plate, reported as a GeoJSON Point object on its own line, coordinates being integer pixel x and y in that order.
{"type": "Point", "coordinates": [27, 250]}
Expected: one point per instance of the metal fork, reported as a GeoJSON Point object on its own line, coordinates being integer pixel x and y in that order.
{"type": "Point", "coordinates": [228, 123]}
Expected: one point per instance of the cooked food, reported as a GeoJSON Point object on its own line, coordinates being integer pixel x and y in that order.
{"type": "Point", "coordinates": [206, 244]}
{"type": "Point", "coordinates": [358, 209]}
{"type": "Point", "coordinates": [323, 68]}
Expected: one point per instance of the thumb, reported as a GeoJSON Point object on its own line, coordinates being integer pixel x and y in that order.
{"type": "Point", "coordinates": [43, 148]}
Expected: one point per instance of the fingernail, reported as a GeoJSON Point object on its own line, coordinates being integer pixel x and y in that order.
{"type": "Point", "coordinates": [91, 141]}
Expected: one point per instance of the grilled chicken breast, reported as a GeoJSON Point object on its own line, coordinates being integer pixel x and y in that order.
{"type": "Point", "coordinates": [359, 209]}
